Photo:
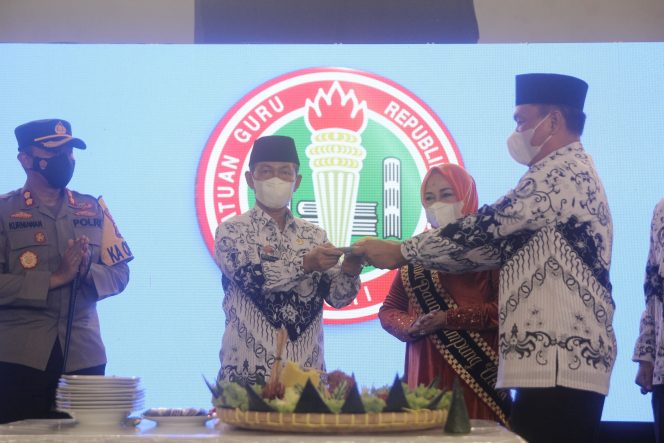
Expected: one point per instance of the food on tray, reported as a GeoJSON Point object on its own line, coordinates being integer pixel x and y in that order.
{"type": "Point", "coordinates": [334, 392]}
{"type": "Point", "coordinates": [457, 417]}
{"type": "Point", "coordinates": [292, 375]}
{"type": "Point", "coordinates": [175, 412]}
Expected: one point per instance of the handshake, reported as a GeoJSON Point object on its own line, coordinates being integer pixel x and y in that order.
{"type": "Point", "coordinates": [382, 254]}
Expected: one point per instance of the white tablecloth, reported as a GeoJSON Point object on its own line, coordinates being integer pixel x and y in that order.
{"type": "Point", "coordinates": [42, 432]}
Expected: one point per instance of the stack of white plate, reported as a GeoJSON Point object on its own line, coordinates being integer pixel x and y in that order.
{"type": "Point", "coordinates": [98, 399]}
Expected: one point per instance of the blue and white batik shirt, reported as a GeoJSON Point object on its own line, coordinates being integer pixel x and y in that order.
{"type": "Point", "coordinates": [650, 344]}
{"type": "Point", "coordinates": [266, 288]}
{"type": "Point", "coordinates": [551, 237]}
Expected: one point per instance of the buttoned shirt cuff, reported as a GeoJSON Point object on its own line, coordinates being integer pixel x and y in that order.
{"type": "Point", "coordinates": [643, 353]}
{"type": "Point", "coordinates": [105, 283]}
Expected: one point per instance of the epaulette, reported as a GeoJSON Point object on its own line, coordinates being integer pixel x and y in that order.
{"type": "Point", "coordinates": [81, 201]}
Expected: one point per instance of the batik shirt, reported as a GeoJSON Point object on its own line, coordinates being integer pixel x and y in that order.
{"type": "Point", "coordinates": [551, 237]}
{"type": "Point", "coordinates": [650, 344]}
{"type": "Point", "coordinates": [266, 288]}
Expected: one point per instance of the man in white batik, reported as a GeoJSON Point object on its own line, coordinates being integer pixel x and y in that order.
{"type": "Point", "coordinates": [649, 349]}
{"type": "Point", "coordinates": [551, 237]}
{"type": "Point", "coordinates": [277, 271]}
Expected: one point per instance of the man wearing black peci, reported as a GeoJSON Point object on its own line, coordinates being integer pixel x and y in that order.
{"type": "Point", "coordinates": [551, 237]}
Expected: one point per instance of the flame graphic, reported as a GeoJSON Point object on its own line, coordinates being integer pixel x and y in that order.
{"type": "Point", "coordinates": [336, 109]}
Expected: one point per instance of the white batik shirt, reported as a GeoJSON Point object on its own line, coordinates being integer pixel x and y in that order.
{"type": "Point", "coordinates": [266, 288]}
{"type": "Point", "coordinates": [650, 344]}
{"type": "Point", "coordinates": [551, 237]}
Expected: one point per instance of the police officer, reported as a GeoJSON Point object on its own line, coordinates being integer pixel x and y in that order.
{"type": "Point", "coordinates": [50, 237]}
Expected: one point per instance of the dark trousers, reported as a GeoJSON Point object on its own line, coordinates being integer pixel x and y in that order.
{"type": "Point", "coordinates": [658, 411]}
{"type": "Point", "coordinates": [556, 415]}
{"type": "Point", "coordinates": [27, 392]}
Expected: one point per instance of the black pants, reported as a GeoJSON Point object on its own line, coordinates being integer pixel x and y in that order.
{"type": "Point", "coordinates": [27, 392]}
{"type": "Point", "coordinates": [543, 415]}
{"type": "Point", "coordinates": [658, 411]}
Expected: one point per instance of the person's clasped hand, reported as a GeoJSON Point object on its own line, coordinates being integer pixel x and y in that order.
{"type": "Point", "coordinates": [75, 257]}
{"type": "Point", "coordinates": [352, 264]}
{"type": "Point", "coordinates": [84, 244]}
{"type": "Point", "coordinates": [644, 376]}
{"type": "Point", "coordinates": [321, 258]}
{"type": "Point", "coordinates": [428, 323]}
{"type": "Point", "coordinates": [382, 254]}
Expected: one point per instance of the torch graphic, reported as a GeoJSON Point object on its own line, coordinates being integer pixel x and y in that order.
{"type": "Point", "coordinates": [336, 119]}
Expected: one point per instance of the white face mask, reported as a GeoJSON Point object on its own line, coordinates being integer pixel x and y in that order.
{"type": "Point", "coordinates": [519, 144]}
{"type": "Point", "coordinates": [441, 214]}
{"type": "Point", "coordinates": [274, 193]}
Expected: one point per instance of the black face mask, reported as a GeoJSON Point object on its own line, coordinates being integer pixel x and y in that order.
{"type": "Point", "coordinates": [56, 170]}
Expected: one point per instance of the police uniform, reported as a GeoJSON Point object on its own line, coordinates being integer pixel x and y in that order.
{"type": "Point", "coordinates": [33, 319]}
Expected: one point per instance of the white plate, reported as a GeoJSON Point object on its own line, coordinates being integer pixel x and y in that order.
{"type": "Point", "coordinates": [99, 379]}
{"type": "Point", "coordinates": [74, 401]}
{"type": "Point", "coordinates": [99, 401]}
{"type": "Point", "coordinates": [95, 390]}
{"type": "Point", "coordinates": [100, 385]}
{"type": "Point", "coordinates": [98, 396]}
{"type": "Point", "coordinates": [181, 420]}
{"type": "Point", "coordinates": [133, 406]}
{"type": "Point", "coordinates": [99, 382]}
{"type": "Point", "coordinates": [109, 417]}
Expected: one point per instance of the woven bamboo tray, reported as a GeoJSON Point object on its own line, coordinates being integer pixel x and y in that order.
{"type": "Point", "coordinates": [333, 423]}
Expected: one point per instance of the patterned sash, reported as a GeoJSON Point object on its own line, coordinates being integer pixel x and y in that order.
{"type": "Point", "coordinates": [471, 357]}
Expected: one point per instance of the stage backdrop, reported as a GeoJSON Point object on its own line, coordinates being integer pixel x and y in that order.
{"type": "Point", "coordinates": [168, 130]}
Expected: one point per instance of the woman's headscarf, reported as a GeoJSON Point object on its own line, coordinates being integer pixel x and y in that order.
{"type": "Point", "coordinates": [462, 184]}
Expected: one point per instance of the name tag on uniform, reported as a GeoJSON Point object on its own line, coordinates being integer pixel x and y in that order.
{"type": "Point", "coordinates": [14, 225]}
{"type": "Point", "coordinates": [267, 253]}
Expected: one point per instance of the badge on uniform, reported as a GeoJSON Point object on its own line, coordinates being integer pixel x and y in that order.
{"type": "Point", "coordinates": [267, 253]}
{"type": "Point", "coordinates": [28, 260]}
{"type": "Point", "coordinates": [27, 198]}
{"type": "Point", "coordinates": [114, 248]}
{"type": "Point", "coordinates": [40, 237]}
{"type": "Point", "coordinates": [21, 214]}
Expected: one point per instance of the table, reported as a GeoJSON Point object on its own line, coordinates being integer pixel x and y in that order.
{"type": "Point", "coordinates": [34, 431]}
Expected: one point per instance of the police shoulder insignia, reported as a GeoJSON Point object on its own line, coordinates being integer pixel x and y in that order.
{"type": "Point", "coordinates": [21, 214]}
{"type": "Point", "coordinates": [86, 213]}
{"type": "Point", "coordinates": [70, 197]}
{"type": "Point", "coordinates": [27, 198]}
{"type": "Point", "coordinates": [28, 260]}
